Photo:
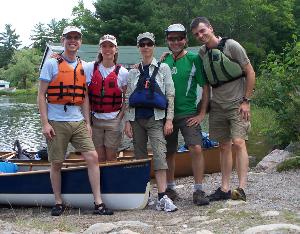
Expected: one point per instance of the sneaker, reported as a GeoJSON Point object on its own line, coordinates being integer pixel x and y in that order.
{"type": "Point", "coordinates": [219, 195]}
{"type": "Point", "coordinates": [172, 194]}
{"type": "Point", "coordinates": [199, 198]}
{"type": "Point", "coordinates": [165, 204]}
{"type": "Point", "coordinates": [58, 209]}
{"type": "Point", "coordinates": [238, 194]}
{"type": "Point", "coordinates": [101, 209]}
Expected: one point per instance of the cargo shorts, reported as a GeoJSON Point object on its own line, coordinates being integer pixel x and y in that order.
{"type": "Point", "coordinates": [107, 132]}
{"type": "Point", "coordinates": [225, 122]}
{"type": "Point", "coordinates": [191, 135]}
{"type": "Point", "coordinates": [66, 132]}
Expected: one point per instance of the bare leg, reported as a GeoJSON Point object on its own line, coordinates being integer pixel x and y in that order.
{"type": "Point", "coordinates": [197, 163]}
{"type": "Point", "coordinates": [91, 159]}
{"type": "Point", "coordinates": [101, 154]}
{"type": "Point", "coordinates": [160, 176]}
{"type": "Point", "coordinates": [242, 161]}
{"type": "Point", "coordinates": [226, 164]}
{"type": "Point", "coordinates": [171, 167]}
{"type": "Point", "coordinates": [111, 154]}
{"type": "Point", "coordinates": [55, 177]}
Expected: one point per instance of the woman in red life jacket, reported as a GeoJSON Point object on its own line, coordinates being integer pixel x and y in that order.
{"type": "Point", "coordinates": [106, 93]}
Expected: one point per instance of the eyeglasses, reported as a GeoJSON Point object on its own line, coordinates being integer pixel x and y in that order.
{"type": "Point", "coordinates": [76, 38]}
{"type": "Point", "coordinates": [148, 44]}
{"type": "Point", "coordinates": [173, 39]}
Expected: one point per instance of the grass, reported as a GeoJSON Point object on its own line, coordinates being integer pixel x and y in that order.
{"type": "Point", "coordinates": [20, 92]}
{"type": "Point", "coordinates": [289, 164]}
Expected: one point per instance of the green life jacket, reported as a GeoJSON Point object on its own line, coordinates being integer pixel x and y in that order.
{"type": "Point", "coordinates": [219, 68]}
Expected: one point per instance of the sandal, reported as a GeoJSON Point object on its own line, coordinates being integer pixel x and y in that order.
{"type": "Point", "coordinates": [101, 209]}
{"type": "Point", "coordinates": [58, 209]}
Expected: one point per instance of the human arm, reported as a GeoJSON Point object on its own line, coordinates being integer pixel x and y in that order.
{"type": "Point", "coordinates": [170, 94]}
{"type": "Point", "coordinates": [122, 111]}
{"type": "Point", "coordinates": [196, 120]}
{"type": "Point", "coordinates": [47, 129]}
{"type": "Point", "coordinates": [86, 112]}
{"type": "Point", "coordinates": [163, 56]}
{"type": "Point", "coordinates": [250, 83]}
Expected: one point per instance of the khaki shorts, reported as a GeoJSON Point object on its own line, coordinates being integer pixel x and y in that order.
{"type": "Point", "coordinates": [225, 123]}
{"type": "Point", "coordinates": [192, 135]}
{"type": "Point", "coordinates": [106, 132]}
{"type": "Point", "coordinates": [74, 132]}
{"type": "Point", "coordinates": [144, 128]}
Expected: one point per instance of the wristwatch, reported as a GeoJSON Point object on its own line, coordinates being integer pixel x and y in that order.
{"type": "Point", "coordinates": [247, 100]}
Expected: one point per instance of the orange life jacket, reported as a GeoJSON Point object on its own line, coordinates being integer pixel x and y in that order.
{"type": "Point", "coordinates": [69, 87]}
{"type": "Point", "coordinates": [104, 94]}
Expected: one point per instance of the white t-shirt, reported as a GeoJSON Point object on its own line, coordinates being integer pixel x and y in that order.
{"type": "Point", "coordinates": [122, 81]}
{"type": "Point", "coordinates": [57, 112]}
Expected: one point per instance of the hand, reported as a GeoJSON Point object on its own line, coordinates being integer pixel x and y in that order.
{"type": "Point", "coordinates": [163, 56]}
{"type": "Point", "coordinates": [135, 66]}
{"type": "Point", "coordinates": [48, 131]}
{"type": "Point", "coordinates": [128, 129]}
{"type": "Point", "coordinates": [168, 127]}
{"type": "Point", "coordinates": [244, 110]}
{"type": "Point", "coordinates": [54, 55]}
{"type": "Point", "coordinates": [196, 120]}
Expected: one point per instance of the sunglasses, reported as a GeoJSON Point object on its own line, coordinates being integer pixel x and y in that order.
{"type": "Point", "coordinates": [148, 44]}
{"type": "Point", "coordinates": [173, 39]}
{"type": "Point", "coordinates": [76, 38]}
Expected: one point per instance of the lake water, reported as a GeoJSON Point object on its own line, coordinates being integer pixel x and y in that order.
{"type": "Point", "coordinates": [19, 120]}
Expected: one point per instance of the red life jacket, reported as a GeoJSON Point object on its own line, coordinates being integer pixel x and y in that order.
{"type": "Point", "coordinates": [69, 87]}
{"type": "Point", "coordinates": [104, 94]}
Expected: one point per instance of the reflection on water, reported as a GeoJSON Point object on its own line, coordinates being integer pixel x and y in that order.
{"type": "Point", "coordinates": [19, 119]}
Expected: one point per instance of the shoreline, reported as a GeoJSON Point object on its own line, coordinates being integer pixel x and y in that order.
{"type": "Point", "coordinates": [271, 198]}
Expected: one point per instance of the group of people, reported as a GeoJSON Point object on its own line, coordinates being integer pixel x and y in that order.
{"type": "Point", "coordinates": [84, 104]}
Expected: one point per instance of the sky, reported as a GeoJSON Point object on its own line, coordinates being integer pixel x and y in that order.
{"type": "Point", "coordinates": [24, 14]}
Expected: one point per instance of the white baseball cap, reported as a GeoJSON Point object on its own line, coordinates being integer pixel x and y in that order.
{"type": "Point", "coordinates": [145, 35]}
{"type": "Point", "coordinates": [175, 28]}
{"type": "Point", "coordinates": [108, 37]}
{"type": "Point", "coordinates": [69, 29]}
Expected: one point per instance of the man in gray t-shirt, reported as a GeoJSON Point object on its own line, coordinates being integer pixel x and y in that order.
{"type": "Point", "coordinates": [232, 78]}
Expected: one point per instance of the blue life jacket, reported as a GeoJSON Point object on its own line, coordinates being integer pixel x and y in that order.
{"type": "Point", "coordinates": [148, 93]}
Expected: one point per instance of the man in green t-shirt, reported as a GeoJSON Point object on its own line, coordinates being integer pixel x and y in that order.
{"type": "Point", "coordinates": [232, 78]}
{"type": "Point", "coordinates": [186, 74]}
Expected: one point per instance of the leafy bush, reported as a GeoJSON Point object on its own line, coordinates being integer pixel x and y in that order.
{"type": "Point", "coordinates": [278, 88]}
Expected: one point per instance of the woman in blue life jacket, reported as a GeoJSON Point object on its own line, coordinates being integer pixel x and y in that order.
{"type": "Point", "coordinates": [106, 94]}
{"type": "Point", "coordinates": [151, 83]}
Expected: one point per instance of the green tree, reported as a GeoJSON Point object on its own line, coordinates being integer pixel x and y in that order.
{"type": "Point", "coordinates": [46, 33]}
{"type": "Point", "coordinates": [89, 24]}
{"type": "Point", "coordinates": [8, 44]}
{"type": "Point", "coordinates": [23, 70]}
{"type": "Point", "coordinates": [278, 88]}
{"type": "Point", "coordinates": [124, 18]}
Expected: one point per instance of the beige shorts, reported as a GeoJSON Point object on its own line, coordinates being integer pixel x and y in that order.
{"type": "Point", "coordinates": [74, 132]}
{"type": "Point", "coordinates": [225, 123]}
{"type": "Point", "coordinates": [106, 132]}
